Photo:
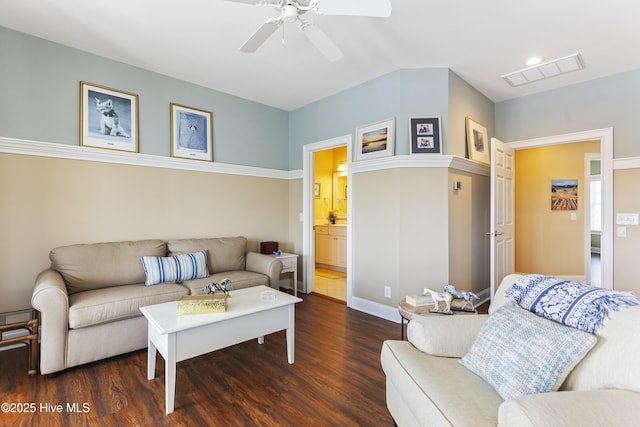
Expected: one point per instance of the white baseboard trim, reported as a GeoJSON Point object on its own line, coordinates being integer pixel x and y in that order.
{"type": "Point", "coordinates": [376, 309]}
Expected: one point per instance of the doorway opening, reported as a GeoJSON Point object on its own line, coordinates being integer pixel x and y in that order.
{"type": "Point", "coordinates": [330, 186]}
{"type": "Point", "coordinates": [605, 138]}
{"type": "Point", "coordinates": [316, 208]}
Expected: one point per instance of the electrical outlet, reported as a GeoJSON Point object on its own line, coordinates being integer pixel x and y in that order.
{"type": "Point", "coordinates": [387, 291]}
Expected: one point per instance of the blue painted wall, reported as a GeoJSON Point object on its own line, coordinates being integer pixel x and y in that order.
{"type": "Point", "coordinates": [39, 88]}
{"type": "Point", "coordinates": [612, 101]}
{"type": "Point", "coordinates": [400, 94]}
{"type": "Point", "coordinates": [40, 95]}
{"type": "Point", "coordinates": [465, 100]}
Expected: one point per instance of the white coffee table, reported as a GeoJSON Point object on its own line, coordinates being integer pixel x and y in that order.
{"type": "Point", "coordinates": [251, 313]}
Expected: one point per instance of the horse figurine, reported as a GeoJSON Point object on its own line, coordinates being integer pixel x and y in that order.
{"type": "Point", "coordinates": [465, 295]}
{"type": "Point", "coordinates": [437, 297]}
{"type": "Point", "coordinates": [218, 287]}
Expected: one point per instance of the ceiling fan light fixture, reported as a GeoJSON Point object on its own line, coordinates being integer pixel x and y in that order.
{"type": "Point", "coordinates": [289, 13]}
{"type": "Point", "coordinates": [291, 10]}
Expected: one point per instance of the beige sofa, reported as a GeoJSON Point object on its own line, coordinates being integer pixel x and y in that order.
{"type": "Point", "coordinates": [426, 384]}
{"type": "Point", "coordinates": [89, 299]}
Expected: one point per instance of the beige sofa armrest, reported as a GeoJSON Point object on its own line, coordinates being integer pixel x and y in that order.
{"type": "Point", "coordinates": [444, 335]}
{"type": "Point", "coordinates": [593, 408]}
{"type": "Point", "coordinates": [50, 298]}
{"type": "Point", "coordinates": [265, 264]}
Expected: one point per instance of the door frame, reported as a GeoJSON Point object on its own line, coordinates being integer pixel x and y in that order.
{"type": "Point", "coordinates": [308, 220]}
{"type": "Point", "coordinates": [588, 158]}
{"type": "Point", "coordinates": [605, 136]}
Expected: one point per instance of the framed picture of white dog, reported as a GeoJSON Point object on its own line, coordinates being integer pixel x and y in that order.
{"type": "Point", "coordinates": [108, 118]}
{"type": "Point", "coordinates": [191, 133]}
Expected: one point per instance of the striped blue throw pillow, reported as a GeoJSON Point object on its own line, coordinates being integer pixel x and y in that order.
{"type": "Point", "coordinates": [177, 268]}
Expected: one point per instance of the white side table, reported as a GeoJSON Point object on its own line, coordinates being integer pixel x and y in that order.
{"type": "Point", "coordinates": [290, 265]}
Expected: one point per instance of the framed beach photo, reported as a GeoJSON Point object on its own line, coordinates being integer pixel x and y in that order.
{"type": "Point", "coordinates": [375, 140]}
{"type": "Point", "coordinates": [108, 118]}
{"type": "Point", "coordinates": [478, 142]}
{"type": "Point", "coordinates": [425, 135]}
{"type": "Point", "coordinates": [191, 133]}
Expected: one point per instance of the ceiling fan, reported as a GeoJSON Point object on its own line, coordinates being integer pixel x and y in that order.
{"type": "Point", "coordinates": [290, 11]}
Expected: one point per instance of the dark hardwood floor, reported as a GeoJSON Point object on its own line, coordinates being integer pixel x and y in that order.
{"type": "Point", "coordinates": [336, 380]}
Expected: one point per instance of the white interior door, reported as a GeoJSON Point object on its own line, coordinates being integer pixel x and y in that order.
{"type": "Point", "coordinates": [502, 232]}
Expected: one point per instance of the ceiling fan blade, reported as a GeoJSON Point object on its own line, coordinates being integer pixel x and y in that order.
{"type": "Point", "coordinates": [260, 36]}
{"type": "Point", "coordinates": [321, 41]}
{"type": "Point", "coordinates": [376, 8]}
{"type": "Point", "coordinates": [253, 2]}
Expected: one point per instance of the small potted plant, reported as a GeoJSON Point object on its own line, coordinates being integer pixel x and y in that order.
{"type": "Point", "coordinates": [332, 217]}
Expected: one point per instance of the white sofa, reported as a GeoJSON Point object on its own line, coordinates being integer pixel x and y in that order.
{"type": "Point", "coordinates": [89, 299]}
{"type": "Point", "coordinates": [426, 385]}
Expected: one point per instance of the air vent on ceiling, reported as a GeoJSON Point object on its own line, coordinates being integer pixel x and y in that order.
{"type": "Point", "coordinates": [545, 70]}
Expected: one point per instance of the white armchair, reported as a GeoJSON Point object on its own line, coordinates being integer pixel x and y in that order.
{"type": "Point", "coordinates": [427, 385]}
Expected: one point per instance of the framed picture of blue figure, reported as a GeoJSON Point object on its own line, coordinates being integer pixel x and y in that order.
{"type": "Point", "coordinates": [191, 133]}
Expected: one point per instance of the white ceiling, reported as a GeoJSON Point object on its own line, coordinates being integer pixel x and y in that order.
{"type": "Point", "coordinates": [198, 41]}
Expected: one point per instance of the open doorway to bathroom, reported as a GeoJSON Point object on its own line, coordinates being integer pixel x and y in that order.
{"type": "Point", "coordinates": [330, 223]}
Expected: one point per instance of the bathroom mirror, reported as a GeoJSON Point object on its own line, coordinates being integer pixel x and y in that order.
{"type": "Point", "coordinates": [340, 194]}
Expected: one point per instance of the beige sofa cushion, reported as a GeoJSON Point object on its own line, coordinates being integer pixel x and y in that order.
{"type": "Point", "coordinates": [432, 334]}
{"type": "Point", "coordinates": [239, 280]}
{"type": "Point", "coordinates": [93, 266]}
{"type": "Point", "coordinates": [110, 304]}
{"type": "Point", "coordinates": [438, 390]}
{"type": "Point", "coordinates": [613, 361]}
{"type": "Point", "coordinates": [224, 253]}
{"type": "Point", "coordinates": [594, 408]}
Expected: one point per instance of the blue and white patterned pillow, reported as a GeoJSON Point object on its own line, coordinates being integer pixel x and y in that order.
{"type": "Point", "coordinates": [177, 268]}
{"type": "Point", "coordinates": [520, 353]}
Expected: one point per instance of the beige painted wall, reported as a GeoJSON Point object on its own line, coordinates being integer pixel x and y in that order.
{"type": "Point", "coordinates": [49, 202]}
{"type": "Point", "coordinates": [465, 100]}
{"type": "Point", "coordinates": [399, 229]}
{"type": "Point", "coordinates": [549, 242]}
{"type": "Point", "coordinates": [469, 217]}
{"type": "Point", "coordinates": [626, 266]}
{"type": "Point", "coordinates": [294, 242]}
{"type": "Point", "coordinates": [408, 242]}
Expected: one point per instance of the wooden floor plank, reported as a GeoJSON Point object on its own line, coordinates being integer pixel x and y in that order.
{"type": "Point", "coordinates": [336, 380]}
